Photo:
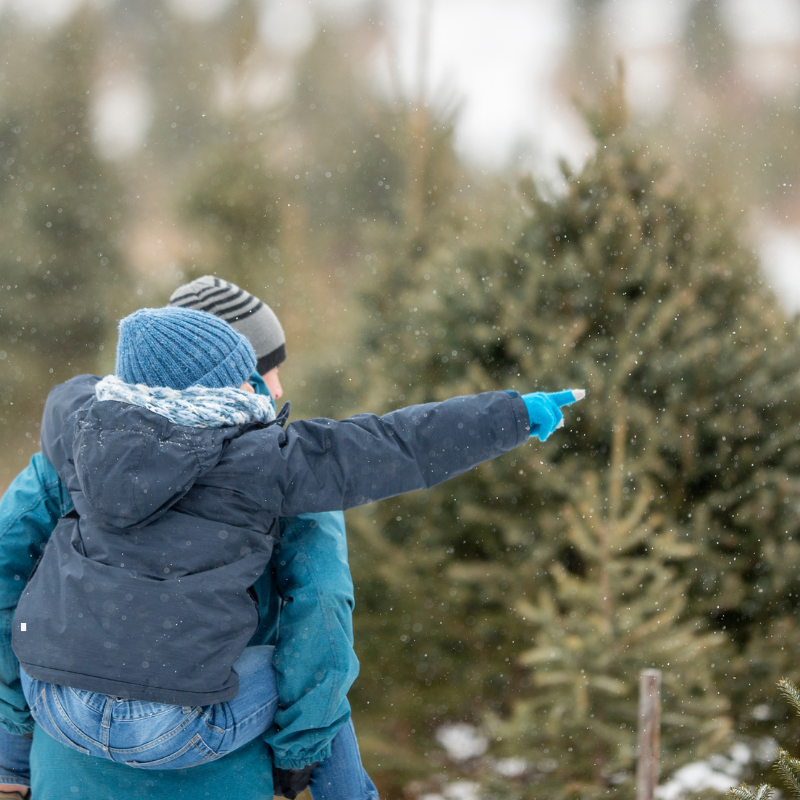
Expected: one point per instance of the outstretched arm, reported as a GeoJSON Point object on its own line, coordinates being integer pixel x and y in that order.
{"type": "Point", "coordinates": [314, 657]}
{"type": "Point", "coordinates": [322, 465]}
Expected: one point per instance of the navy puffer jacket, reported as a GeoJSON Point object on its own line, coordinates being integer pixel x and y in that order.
{"type": "Point", "coordinates": [143, 591]}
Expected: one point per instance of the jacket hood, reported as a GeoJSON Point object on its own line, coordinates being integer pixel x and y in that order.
{"type": "Point", "coordinates": [134, 451]}
{"type": "Point", "coordinates": [132, 464]}
{"type": "Point", "coordinates": [137, 450]}
{"type": "Point", "coordinates": [127, 464]}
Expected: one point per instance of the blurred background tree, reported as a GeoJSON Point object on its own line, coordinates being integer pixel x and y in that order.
{"type": "Point", "coordinates": [65, 279]}
{"type": "Point", "coordinates": [634, 285]}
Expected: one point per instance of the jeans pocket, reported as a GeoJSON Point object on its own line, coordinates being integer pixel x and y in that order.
{"type": "Point", "coordinates": [47, 722]}
{"type": "Point", "coordinates": [192, 754]}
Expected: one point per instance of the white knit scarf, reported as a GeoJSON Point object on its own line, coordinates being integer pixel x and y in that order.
{"type": "Point", "coordinates": [195, 407]}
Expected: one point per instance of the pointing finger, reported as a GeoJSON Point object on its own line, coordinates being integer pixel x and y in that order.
{"type": "Point", "coordinates": [567, 397]}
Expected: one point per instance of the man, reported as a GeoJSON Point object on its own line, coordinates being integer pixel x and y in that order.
{"type": "Point", "coordinates": [452, 436]}
{"type": "Point", "coordinates": [308, 589]}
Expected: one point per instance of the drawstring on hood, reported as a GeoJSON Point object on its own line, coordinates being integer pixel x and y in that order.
{"type": "Point", "coordinates": [195, 407]}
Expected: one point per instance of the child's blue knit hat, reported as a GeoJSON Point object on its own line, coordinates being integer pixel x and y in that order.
{"type": "Point", "coordinates": [180, 347]}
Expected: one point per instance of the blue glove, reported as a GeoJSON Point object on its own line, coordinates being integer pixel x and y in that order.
{"type": "Point", "coordinates": [544, 410]}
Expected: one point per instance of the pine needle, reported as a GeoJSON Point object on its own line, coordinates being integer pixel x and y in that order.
{"type": "Point", "coordinates": [790, 692]}
{"type": "Point", "coordinates": [743, 792]}
{"type": "Point", "coordinates": [789, 768]}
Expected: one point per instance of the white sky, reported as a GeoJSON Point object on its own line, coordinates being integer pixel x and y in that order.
{"type": "Point", "coordinates": [501, 56]}
{"type": "Point", "coordinates": [779, 249]}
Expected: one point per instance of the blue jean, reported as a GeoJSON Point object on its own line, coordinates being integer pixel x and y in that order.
{"type": "Point", "coordinates": [14, 765]}
{"type": "Point", "coordinates": [342, 777]}
{"type": "Point", "coordinates": [155, 735]}
{"type": "Point", "coordinates": [158, 736]}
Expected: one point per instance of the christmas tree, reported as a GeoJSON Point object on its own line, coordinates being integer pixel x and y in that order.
{"type": "Point", "coordinates": [618, 607]}
{"type": "Point", "coordinates": [637, 286]}
{"type": "Point", "coordinates": [787, 766]}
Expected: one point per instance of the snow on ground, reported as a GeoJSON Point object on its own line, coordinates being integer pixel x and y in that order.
{"type": "Point", "coordinates": [718, 772]}
{"type": "Point", "coordinates": [460, 790]}
{"type": "Point", "coordinates": [695, 778]}
{"type": "Point", "coordinates": [462, 741]}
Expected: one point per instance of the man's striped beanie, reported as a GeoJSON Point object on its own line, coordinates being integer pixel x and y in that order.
{"type": "Point", "coordinates": [240, 309]}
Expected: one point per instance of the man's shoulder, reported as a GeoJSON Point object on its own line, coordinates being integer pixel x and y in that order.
{"type": "Point", "coordinates": [43, 471]}
{"type": "Point", "coordinates": [38, 478]}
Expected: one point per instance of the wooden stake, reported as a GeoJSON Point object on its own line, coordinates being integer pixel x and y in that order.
{"type": "Point", "coordinates": [647, 767]}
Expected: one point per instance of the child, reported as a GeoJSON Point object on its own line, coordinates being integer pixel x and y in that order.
{"type": "Point", "coordinates": [178, 480]}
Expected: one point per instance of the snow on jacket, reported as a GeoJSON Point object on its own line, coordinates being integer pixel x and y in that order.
{"type": "Point", "coordinates": [142, 591]}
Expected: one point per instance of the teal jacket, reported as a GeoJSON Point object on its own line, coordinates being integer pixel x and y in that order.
{"type": "Point", "coordinates": [306, 590]}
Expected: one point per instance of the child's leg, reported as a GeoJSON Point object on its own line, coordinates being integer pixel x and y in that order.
{"type": "Point", "coordinates": [342, 777]}
{"type": "Point", "coordinates": [156, 735]}
{"type": "Point", "coordinates": [82, 734]}
{"type": "Point", "coordinates": [251, 712]}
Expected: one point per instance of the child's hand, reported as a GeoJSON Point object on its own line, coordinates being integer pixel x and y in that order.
{"type": "Point", "coordinates": [544, 410]}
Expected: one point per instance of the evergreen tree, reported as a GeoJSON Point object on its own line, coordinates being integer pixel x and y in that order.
{"type": "Point", "coordinates": [787, 766]}
{"type": "Point", "coordinates": [708, 48]}
{"type": "Point", "coordinates": [64, 280]}
{"type": "Point", "coordinates": [636, 286]}
{"type": "Point", "coordinates": [596, 627]}
{"type": "Point", "coordinates": [295, 200]}
{"type": "Point", "coordinates": [588, 49]}
{"type": "Point", "coordinates": [238, 203]}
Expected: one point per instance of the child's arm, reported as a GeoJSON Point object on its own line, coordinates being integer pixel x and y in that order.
{"type": "Point", "coordinates": [29, 511]}
{"type": "Point", "coordinates": [322, 465]}
{"type": "Point", "coordinates": [314, 658]}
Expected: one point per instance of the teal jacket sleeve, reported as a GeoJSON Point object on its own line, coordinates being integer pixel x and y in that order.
{"type": "Point", "coordinates": [29, 511]}
{"type": "Point", "coordinates": [314, 657]}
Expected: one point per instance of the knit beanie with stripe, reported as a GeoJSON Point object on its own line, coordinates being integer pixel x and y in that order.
{"type": "Point", "coordinates": [240, 309]}
{"type": "Point", "coordinates": [179, 348]}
